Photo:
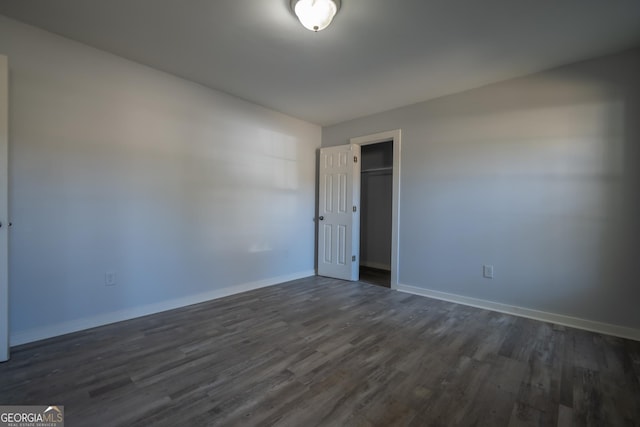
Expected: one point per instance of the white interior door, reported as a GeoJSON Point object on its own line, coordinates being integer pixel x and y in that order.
{"type": "Point", "coordinates": [339, 212]}
{"type": "Point", "coordinates": [4, 222]}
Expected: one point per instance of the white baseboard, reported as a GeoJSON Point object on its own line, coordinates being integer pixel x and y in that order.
{"type": "Point", "coordinates": [560, 319]}
{"type": "Point", "coordinates": [377, 265]}
{"type": "Point", "coordinates": [36, 334]}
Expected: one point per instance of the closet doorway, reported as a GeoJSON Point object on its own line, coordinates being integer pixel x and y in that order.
{"type": "Point", "coordinates": [379, 207]}
{"type": "Point", "coordinates": [376, 198]}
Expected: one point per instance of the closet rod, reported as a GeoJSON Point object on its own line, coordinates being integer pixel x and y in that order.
{"type": "Point", "coordinates": [386, 168]}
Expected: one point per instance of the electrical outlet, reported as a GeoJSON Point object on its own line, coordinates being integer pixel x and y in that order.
{"type": "Point", "coordinates": [109, 278]}
{"type": "Point", "coordinates": [487, 271]}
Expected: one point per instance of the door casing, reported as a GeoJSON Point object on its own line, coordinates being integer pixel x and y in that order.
{"type": "Point", "coordinates": [395, 136]}
{"type": "Point", "coordinates": [4, 211]}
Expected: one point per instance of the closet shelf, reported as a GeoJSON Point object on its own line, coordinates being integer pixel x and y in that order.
{"type": "Point", "coordinates": [386, 168]}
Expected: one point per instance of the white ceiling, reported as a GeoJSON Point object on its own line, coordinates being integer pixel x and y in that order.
{"type": "Point", "coordinates": [375, 56]}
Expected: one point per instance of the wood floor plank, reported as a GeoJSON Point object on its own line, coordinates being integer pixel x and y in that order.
{"type": "Point", "coordinates": [325, 352]}
{"type": "Point", "coordinates": [565, 416]}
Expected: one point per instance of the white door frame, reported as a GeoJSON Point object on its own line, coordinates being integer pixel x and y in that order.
{"type": "Point", "coordinates": [4, 211]}
{"type": "Point", "coordinates": [395, 136]}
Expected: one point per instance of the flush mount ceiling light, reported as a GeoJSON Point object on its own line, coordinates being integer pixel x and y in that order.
{"type": "Point", "coordinates": [315, 15]}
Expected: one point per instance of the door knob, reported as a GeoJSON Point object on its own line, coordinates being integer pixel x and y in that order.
{"type": "Point", "coordinates": [321, 218]}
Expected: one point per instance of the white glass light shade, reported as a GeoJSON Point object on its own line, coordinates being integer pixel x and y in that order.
{"type": "Point", "coordinates": [315, 15]}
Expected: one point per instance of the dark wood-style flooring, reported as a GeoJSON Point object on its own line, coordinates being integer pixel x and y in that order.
{"type": "Point", "coordinates": [375, 276]}
{"type": "Point", "coordinates": [325, 352]}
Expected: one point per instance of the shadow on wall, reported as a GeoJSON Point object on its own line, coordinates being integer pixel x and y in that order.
{"type": "Point", "coordinates": [224, 212]}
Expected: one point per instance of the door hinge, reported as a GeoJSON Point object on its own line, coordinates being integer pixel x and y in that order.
{"type": "Point", "coordinates": [355, 209]}
{"type": "Point", "coordinates": [355, 159]}
{"type": "Point", "coordinates": [353, 258]}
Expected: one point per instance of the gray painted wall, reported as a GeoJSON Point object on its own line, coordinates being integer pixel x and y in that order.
{"type": "Point", "coordinates": [116, 167]}
{"type": "Point", "coordinates": [536, 176]}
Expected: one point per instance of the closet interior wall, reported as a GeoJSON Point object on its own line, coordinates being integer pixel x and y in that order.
{"type": "Point", "coordinates": [375, 205]}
